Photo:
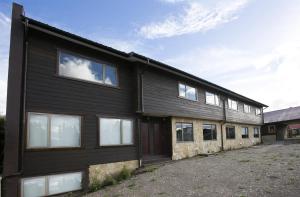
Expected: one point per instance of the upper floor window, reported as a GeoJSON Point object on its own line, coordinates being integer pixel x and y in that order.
{"type": "Point", "coordinates": [53, 131]}
{"type": "Point", "coordinates": [257, 111]}
{"type": "Point", "coordinates": [212, 98]}
{"type": "Point", "coordinates": [184, 132]}
{"type": "Point", "coordinates": [115, 131]}
{"type": "Point", "coordinates": [187, 92]}
{"type": "Point", "coordinates": [247, 108]}
{"type": "Point", "coordinates": [256, 132]}
{"type": "Point", "coordinates": [51, 185]}
{"type": "Point", "coordinates": [209, 132]}
{"type": "Point", "coordinates": [232, 104]}
{"type": "Point", "coordinates": [86, 69]}
{"type": "Point", "coordinates": [245, 132]}
{"type": "Point", "coordinates": [230, 132]}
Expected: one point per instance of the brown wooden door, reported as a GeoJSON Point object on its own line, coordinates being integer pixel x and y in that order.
{"type": "Point", "coordinates": [152, 138]}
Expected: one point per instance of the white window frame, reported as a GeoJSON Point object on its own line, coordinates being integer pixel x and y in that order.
{"type": "Point", "coordinates": [49, 131]}
{"type": "Point", "coordinates": [104, 64]}
{"type": "Point", "coordinates": [230, 101]}
{"type": "Point", "coordinates": [121, 132]}
{"type": "Point", "coordinates": [247, 107]}
{"type": "Point", "coordinates": [47, 183]}
{"type": "Point", "coordinates": [256, 111]}
{"type": "Point", "coordinates": [216, 97]}
{"type": "Point", "coordinates": [185, 96]}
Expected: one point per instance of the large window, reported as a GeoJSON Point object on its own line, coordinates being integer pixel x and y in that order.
{"type": "Point", "coordinates": [184, 132]}
{"type": "Point", "coordinates": [53, 131]}
{"type": "Point", "coordinates": [115, 131]}
{"type": "Point", "coordinates": [51, 185]}
{"type": "Point", "coordinates": [212, 99]}
{"type": "Point", "coordinates": [230, 132]}
{"type": "Point", "coordinates": [209, 132]}
{"type": "Point", "coordinates": [187, 92]}
{"type": "Point", "coordinates": [87, 69]}
{"type": "Point", "coordinates": [247, 108]}
{"type": "Point", "coordinates": [245, 132]}
{"type": "Point", "coordinates": [257, 111]}
{"type": "Point", "coordinates": [256, 132]}
{"type": "Point", "coordinates": [232, 104]}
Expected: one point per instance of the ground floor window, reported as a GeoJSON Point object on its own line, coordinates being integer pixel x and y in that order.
{"type": "Point", "coordinates": [209, 132]}
{"type": "Point", "coordinates": [230, 132]}
{"type": "Point", "coordinates": [293, 133]}
{"type": "Point", "coordinates": [51, 185]}
{"type": "Point", "coordinates": [184, 132]}
{"type": "Point", "coordinates": [53, 130]}
{"type": "Point", "coordinates": [256, 132]}
{"type": "Point", "coordinates": [245, 132]}
{"type": "Point", "coordinates": [115, 131]}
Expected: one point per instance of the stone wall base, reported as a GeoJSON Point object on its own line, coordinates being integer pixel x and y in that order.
{"type": "Point", "coordinates": [101, 171]}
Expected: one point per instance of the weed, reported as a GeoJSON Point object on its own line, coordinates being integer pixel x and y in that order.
{"type": "Point", "coordinates": [244, 160]}
{"type": "Point", "coordinates": [153, 180]}
{"type": "Point", "coordinates": [124, 174]}
{"type": "Point", "coordinates": [130, 186]}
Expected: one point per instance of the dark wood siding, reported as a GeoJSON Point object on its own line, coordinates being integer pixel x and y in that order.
{"type": "Point", "coordinates": [49, 93]}
{"type": "Point", "coordinates": [161, 97]}
{"type": "Point", "coordinates": [240, 116]}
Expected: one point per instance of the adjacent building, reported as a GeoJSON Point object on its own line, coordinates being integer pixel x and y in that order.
{"type": "Point", "coordinates": [78, 111]}
{"type": "Point", "coordinates": [282, 126]}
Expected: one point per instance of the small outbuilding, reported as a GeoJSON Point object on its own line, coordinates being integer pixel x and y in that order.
{"type": "Point", "coordinates": [282, 125]}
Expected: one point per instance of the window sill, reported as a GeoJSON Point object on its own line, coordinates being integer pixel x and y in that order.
{"type": "Point", "coordinates": [88, 82]}
{"type": "Point", "coordinates": [115, 146]}
{"type": "Point", "coordinates": [185, 142]}
{"type": "Point", "coordinates": [213, 105]}
{"type": "Point", "coordinates": [214, 140]}
{"type": "Point", "coordinates": [53, 149]}
{"type": "Point", "coordinates": [180, 97]}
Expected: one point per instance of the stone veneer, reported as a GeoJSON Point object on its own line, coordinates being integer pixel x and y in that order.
{"type": "Point", "coordinates": [182, 150]}
{"type": "Point", "coordinates": [198, 146]}
{"type": "Point", "coordinates": [240, 142]}
{"type": "Point", "coordinates": [101, 171]}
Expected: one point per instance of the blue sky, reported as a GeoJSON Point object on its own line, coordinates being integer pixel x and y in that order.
{"type": "Point", "coordinates": [249, 46]}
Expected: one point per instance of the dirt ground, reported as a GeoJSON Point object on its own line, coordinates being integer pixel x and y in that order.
{"type": "Point", "coordinates": [265, 170]}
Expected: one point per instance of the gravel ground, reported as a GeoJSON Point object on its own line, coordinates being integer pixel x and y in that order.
{"type": "Point", "coordinates": [265, 170]}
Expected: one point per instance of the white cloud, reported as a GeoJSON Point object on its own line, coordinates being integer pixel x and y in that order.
{"type": "Point", "coordinates": [271, 77]}
{"type": "Point", "coordinates": [195, 18]}
{"type": "Point", "coordinates": [4, 49]}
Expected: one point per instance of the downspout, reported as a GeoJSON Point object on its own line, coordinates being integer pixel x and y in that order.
{"type": "Point", "coordinates": [222, 124]}
{"type": "Point", "coordinates": [141, 109]}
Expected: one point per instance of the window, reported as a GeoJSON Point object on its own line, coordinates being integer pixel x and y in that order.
{"type": "Point", "coordinates": [50, 185]}
{"type": "Point", "coordinates": [212, 99]}
{"type": "Point", "coordinates": [184, 132]}
{"type": "Point", "coordinates": [232, 104]}
{"type": "Point", "coordinates": [257, 111]}
{"type": "Point", "coordinates": [209, 132]}
{"type": "Point", "coordinates": [246, 108]}
{"type": "Point", "coordinates": [230, 132]}
{"type": "Point", "coordinates": [53, 131]}
{"type": "Point", "coordinates": [187, 92]}
{"type": "Point", "coordinates": [256, 132]}
{"type": "Point", "coordinates": [115, 131]}
{"type": "Point", "coordinates": [245, 133]}
{"type": "Point", "coordinates": [86, 69]}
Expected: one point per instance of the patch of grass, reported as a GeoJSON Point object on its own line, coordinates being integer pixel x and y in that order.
{"type": "Point", "coordinates": [130, 186]}
{"type": "Point", "coordinates": [161, 193]}
{"type": "Point", "coordinates": [244, 160]}
{"type": "Point", "coordinates": [109, 181]}
{"type": "Point", "coordinates": [150, 168]}
{"type": "Point", "coordinates": [124, 174]}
